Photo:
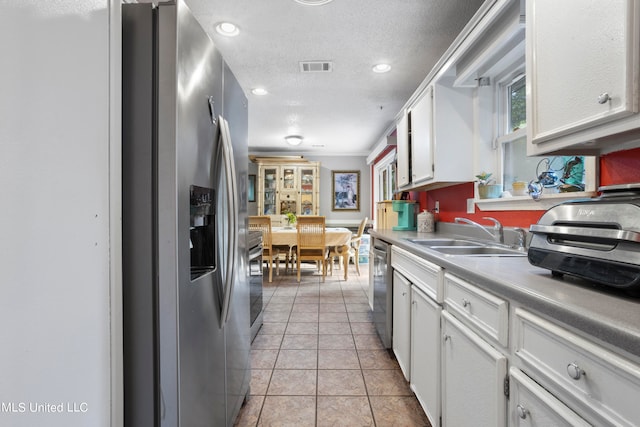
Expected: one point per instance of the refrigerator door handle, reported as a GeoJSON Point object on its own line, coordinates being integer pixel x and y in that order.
{"type": "Point", "coordinates": [232, 215]}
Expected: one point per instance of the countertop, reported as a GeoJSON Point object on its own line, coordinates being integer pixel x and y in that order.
{"type": "Point", "coordinates": [608, 315]}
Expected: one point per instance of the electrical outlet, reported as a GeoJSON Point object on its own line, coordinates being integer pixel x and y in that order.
{"type": "Point", "coordinates": [437, 208]}
{"type": "Point", "coordinates": [471, 206]}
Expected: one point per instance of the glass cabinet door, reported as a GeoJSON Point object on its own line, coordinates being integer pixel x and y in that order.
{"type": "Point", "coordinates": [288, 206]}
{"type": "Point", "coordinates": [270, 179]}
{"type": "Point", "coordinates": [307, 191]}
{"type": "Point", "coordinates": [288, 178]}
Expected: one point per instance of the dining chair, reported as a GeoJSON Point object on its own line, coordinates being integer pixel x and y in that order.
{"type": "Point", "coordinates": [286, 251]}
{"type": "Point", "coordinates": [269, 254]}
{"type": "Point", "coordinates": [354, 249]}
{"type": "Point", "coordinates": [311, 242]}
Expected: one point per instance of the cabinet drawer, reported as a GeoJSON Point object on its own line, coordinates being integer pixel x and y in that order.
{"type": "Point", "coordinates": [422, 273]}
{"type": "Point", "coordinates": [531, 405]}
{"type": "Point", "coordinates": [486, 313]}
{"type": "Point", "coordinates": [604, 385]}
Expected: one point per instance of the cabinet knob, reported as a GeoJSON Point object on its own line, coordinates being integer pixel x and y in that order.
{"type": "Point", "coordinates": [604, 98]}
{"type": "Point", "coordinates": [574, 371]}
{"type": "Point", "coordinates": [466, 303]}
{"type": "Point", "coordinates": [446, 337]}
{"type": "Point", "coordinates": [522, 412]}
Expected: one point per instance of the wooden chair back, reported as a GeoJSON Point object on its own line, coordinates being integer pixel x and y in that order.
{"type": "Point", "coordinates": [357, 237]}
{"type": "Point", "coordinates": [269, 253]}
{"type": "Point", "coordinates": [262, 223]}
{"type": "Point", "coordinates": [311, 232]}
{"type": "Point", "coordinates": [311, 241]}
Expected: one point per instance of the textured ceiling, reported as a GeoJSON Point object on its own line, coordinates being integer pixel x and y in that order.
{"type": "Point", "coordinates": [347, 110]}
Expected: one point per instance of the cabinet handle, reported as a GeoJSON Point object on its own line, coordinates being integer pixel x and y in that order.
{"type": "Point", "coordinates": [604, 98]}
{"type": "Point", "coordinates": [522, 412]}
{"type": "Point", "coordinates": [466, 303]}
{"type": "Point", "coordinates": [574, 371]}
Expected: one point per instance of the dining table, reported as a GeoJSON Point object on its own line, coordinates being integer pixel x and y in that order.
{"type": "Point", "coordinates": [334, 236]}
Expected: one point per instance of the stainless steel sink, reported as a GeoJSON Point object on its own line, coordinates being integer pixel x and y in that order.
{"type": "Point", "coordinates": [445, 242]}
{"type": "Point", "coordinates": [478, 251]}
{"type": "Point", "coordinates": [452, 246]}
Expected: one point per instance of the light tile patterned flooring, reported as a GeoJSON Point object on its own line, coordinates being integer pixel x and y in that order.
{"type": "Point", "coordinates": [317, 360]}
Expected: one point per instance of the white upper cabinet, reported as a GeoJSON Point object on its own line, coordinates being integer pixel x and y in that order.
{"type": "Point", "coordinates": [434, 134]}
{"type": "Point", "coordinates": [422, 137]}
{"type": "Point", "coordinates": [403, 149]}
{"type": "Point", "coordinates": [583, 61]}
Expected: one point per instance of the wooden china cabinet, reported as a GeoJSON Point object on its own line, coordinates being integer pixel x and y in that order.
{"type": "Point", "coordinates": [288, 187]}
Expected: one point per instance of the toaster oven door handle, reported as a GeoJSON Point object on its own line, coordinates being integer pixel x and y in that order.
{"type": "Point", "coordinates": [601, 233]}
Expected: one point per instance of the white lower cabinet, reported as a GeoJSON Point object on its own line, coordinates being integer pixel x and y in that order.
{"type": "Point", "coordinates": [455, 341]}
{"type": "Point", "coordinates": [473, 378]}
{"type": "Point", "coordinates": [402, 323]}
{"type": "Point", "coordinates": [425, 353]}
{"type": "Point", "coordinates": [416, 326]}
{"type": "Point", "coordinates": [600, 385]}
{"type": "Point", "coordinates": [532, 406]}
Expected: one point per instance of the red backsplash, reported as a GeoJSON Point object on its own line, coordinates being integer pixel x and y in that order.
{"type": "Point", "coordinates": [453, 203]}
{"type": "Point", "coordinates": [621, 167]}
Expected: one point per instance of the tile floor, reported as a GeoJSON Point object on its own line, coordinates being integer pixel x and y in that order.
{"type": "Point", "coordinates": [317, 360]}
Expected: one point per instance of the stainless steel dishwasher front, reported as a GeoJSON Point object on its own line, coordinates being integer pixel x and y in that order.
{"type": "Point", "coordinates": [382, 290]}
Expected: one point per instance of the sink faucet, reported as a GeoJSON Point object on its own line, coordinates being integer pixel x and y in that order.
{"type": "Point", "coordinates": [521, 238]}
{"type": "Point", "coordinates": [497, 234]}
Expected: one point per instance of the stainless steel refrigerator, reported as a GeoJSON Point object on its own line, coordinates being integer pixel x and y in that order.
{"type": "Point", "coordinates": [185, 270]}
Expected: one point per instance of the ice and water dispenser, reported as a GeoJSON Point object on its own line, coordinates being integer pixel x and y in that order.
{"type": "Point", "coordinates": [202, 231]}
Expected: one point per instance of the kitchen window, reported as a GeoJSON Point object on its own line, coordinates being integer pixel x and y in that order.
{"type": "Point", "coordinates": [557, 177]}
{"type": "Point", "coordinates": [511, 130]}
{"type": "Point", "coordinates": [385, 177]}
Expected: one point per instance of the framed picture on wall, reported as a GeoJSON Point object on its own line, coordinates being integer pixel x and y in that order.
{"type": "Point", "coordinates": [345, 190]}
{"type": "Point", "coordinates": [251, 191]}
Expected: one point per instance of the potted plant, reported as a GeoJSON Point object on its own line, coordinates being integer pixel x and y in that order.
{"type": "Point", "coordinates": [487, 189]}
{"type": "Point", "coordinates": [291, 218]}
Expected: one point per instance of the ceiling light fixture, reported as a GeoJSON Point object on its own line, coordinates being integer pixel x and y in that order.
{"type": "Point", "coordinates": [293, 139]}
{"type": "Point", "coordinates": [259, 91]}
{"type": "Point", "coordinates": [227, 29]}
{"type": "Point", "coordinates": [381, 68]}
{"type": "Point", "coordinates": [313, 2]}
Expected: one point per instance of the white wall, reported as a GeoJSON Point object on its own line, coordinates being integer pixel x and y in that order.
{"type": "Point", "coordinates": [59, 222]}
{"type": "Point", "coordinates": [344, 163]}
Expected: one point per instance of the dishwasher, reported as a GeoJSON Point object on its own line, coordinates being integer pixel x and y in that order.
{"type": "Point", "coordinates": [382, 276]}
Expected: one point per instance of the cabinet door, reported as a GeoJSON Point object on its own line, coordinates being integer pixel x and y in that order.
{"type": "Point", "coordinates": [308, 190]}
{"type": "Point", "coordinates": [288, 178]}
{"type": "Point", "coordinates": [422, 138]}
{"type": "Point", "coordinates": [425, 353]}
{"type": "Point", "coordinates": [579, 79]}
{"type": "Point", "coordinates": [288, 195]}
{"type": "Point", "coordinates": [402, 148]}
{"type": "Point", "coordinates": [531, 405]}
{"type": "Point", "coordinates": [402, 322]}
{"type": "Point", "coordinates": [268, 190]}
{"type": "Point", "coordinates": [473, 375]}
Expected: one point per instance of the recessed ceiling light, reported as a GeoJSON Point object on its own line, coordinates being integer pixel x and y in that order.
{"type": "Point", "coordinates": [381, 68]}
{"type": "Point", "coordinates": [293, 139]}
{"type": "Point", "coordinates": [259, 91]}
{"type": "Point", "coordinates": [227, 29]}
{"type": "Point", "coordinates": [313, 2]}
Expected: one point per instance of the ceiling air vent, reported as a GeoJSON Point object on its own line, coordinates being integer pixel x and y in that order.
{"type": "Point", "coordinates": [316, 66]}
